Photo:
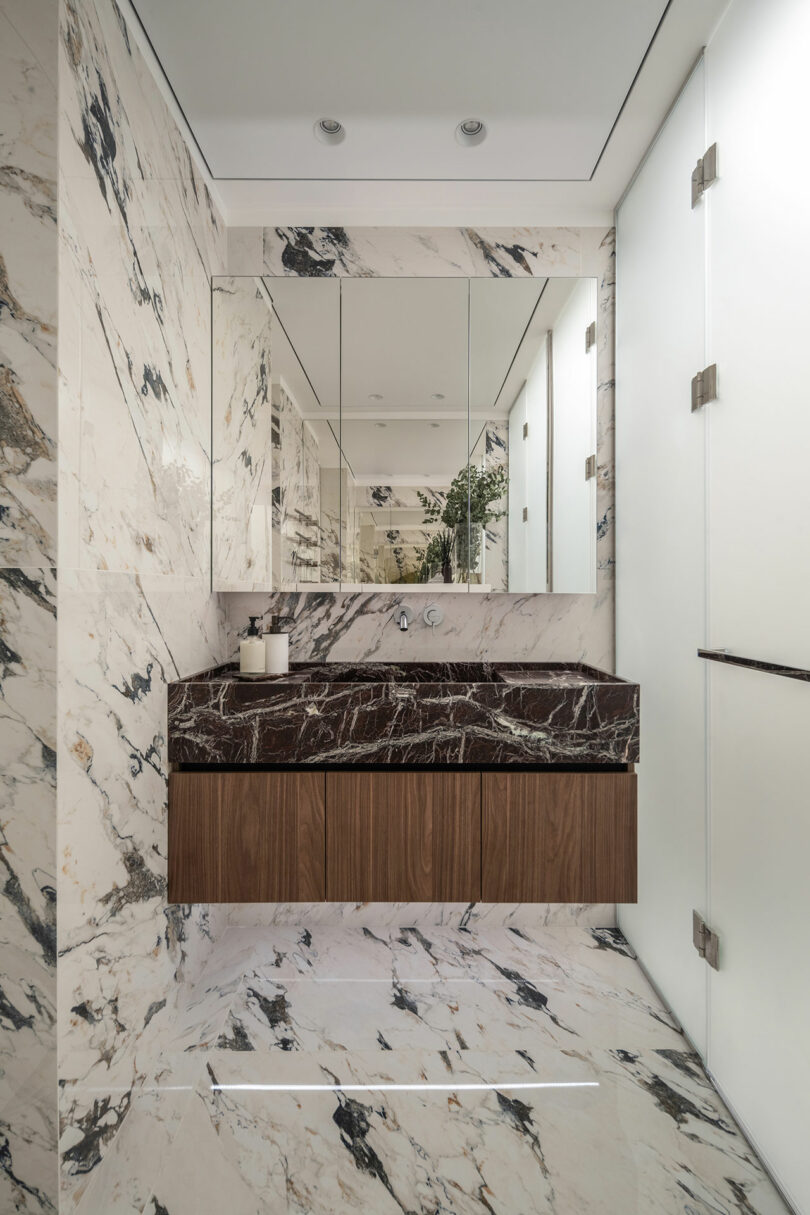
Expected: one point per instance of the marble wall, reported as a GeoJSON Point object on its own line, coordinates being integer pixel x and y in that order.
{"type": "Point", "coordinates": [358, 626]}
{"type": "Point", "coordinates": [28, 554]}
{"type": "Point", "coordinates": [139, 239]}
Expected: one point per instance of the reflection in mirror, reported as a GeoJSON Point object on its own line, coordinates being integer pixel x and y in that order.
{"type": "Point", "coordinates": [404, 431]}
{"type": "Point", "coordinates": [533, 422]}
{"type": "Point", "coordinates": [276, 415]}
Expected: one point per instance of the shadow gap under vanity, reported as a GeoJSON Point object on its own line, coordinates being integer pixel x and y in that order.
{"type": "Point", "coordinates": [412, 782]}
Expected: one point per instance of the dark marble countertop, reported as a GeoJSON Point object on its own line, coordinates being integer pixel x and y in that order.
{"type": "Point", "coordinates": [471, 714]}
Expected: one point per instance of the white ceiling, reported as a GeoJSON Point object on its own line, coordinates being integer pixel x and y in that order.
{"type": "Point", "coordinates": [548, 77]}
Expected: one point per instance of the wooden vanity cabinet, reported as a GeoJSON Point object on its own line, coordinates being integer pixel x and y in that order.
{"type": "Point", "coordinates": [246, 837]}
{"type": "Point", "coordinates": [567, 837]}
{"type": "Point", "coordinates": [402, 836]}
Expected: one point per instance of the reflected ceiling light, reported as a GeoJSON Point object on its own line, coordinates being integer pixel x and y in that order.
{"type": "Point", "coordinates": [375, 396]}
{"type": "Point", "coordinates": [382, 425]}
{"type": "Point", "coordinates": [437, 396]}
{"type": "Point", "coordinates": [435, 425]}
{"type": "Point", "coordinates": [470, 132]}
{"type": "Point", "coordinates": [329, 130]}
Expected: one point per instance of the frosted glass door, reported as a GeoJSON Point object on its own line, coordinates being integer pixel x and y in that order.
{"type": "Point", "coordinates": [660, 511]}
{"type": "Point", "coordinates": [759, 429]}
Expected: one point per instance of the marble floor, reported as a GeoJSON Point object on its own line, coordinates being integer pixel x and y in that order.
{"type": "Point", "coordinates": [498, 1071]}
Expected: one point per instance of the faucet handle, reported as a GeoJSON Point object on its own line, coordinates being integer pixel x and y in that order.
{"type": "Point", "coordinates": [433, 615]}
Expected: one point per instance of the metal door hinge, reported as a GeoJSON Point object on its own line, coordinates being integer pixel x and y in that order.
{"type": "Point", "coordinates": [704, 174]}
{"type": "Point", "coordinates": [704, 387]}
{"type": "Point", "coordinates": [706, 942]}
{"type": "Point", "coordinates": [525, 430]}
{"type": "Point", "coordinates": [590, 336]}
{"type": "Point", "coordinates": [590, 467]}
{"type": "Point", "coordinates": [525, 514]}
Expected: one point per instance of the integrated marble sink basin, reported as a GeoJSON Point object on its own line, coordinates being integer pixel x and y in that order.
{"type": "Point", "coordinates": [467, 714]}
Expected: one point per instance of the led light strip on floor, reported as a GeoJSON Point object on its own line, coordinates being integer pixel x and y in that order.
{"type": "Point", "coordinates": [399, 1088]}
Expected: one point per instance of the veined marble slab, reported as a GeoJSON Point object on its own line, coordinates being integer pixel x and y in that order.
{"type": "Point", "coordinates": [580, 1097]}
{"type": "Point", "coordinates": [452, 713]}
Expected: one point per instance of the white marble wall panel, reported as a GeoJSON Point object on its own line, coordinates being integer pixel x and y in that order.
{"type": "Point", "coordinates": [28, 540]}
{"type": "Point", "coordinates": [241, 429]}
{"type": "Point", "coordinates": [457, 915]}
{"type": "Point", "coordinates": [417, 252]}
{"type": "Point", "coordinates": [28, 302]}
{"type": "Point", "coordinates": [500, 626]}
{"type": "Point", "coordinates": [140, 239]}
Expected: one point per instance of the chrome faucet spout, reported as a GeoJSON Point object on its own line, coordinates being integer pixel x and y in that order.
{"type": "Point", "coordinates": [403, 616]}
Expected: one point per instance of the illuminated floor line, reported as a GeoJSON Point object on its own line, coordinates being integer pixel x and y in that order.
{"type": "Point", "coordinates": [400, 1088]}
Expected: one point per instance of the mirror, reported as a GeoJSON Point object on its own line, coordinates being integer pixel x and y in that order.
{"type": "Point", "coordinates": [391, 433]}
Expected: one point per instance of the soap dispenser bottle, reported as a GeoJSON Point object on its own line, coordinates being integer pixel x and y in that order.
{"type": "Point", "coordinates": [277, 647]}
{"type": "Point", "coordinates": [251, 650]}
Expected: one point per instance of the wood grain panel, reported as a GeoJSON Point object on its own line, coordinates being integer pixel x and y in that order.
{"type": "Point", "coordinates": [566, 837]}
{"type": "Point", "coordinates": [403, 836]}
{"type": "Point", "coordinates": [611, 839]}
{"type": "Point", "coordinates": [193, 838]}
{"type": "Point", "coordinates": [245, 837]}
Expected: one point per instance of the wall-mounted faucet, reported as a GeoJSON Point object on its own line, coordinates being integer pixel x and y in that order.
{"type": "Point", "coordinates": [403, 616]}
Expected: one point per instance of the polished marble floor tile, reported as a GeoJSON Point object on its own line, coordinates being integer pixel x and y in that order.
{"type": "Point", "coordinates": [440, 1072]}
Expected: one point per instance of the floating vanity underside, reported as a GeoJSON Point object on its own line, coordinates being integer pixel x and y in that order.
{"type": "Point", "coordinates": [435, 782]}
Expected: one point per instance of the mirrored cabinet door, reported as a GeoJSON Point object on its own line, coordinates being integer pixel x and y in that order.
{"type": "Point", "coordinates": [275, 422]}
{"type": "Point", "coordinates": [373, 433]}
{"type": "Point", "coordinates": [404, 432]}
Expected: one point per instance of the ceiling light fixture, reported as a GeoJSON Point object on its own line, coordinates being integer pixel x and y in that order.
{"type": "Point", "coordinates": [435, 425]}
{"type": "Point", "coordinates": [382, 425]}
{"type": "Point", "coordinates": [437, 396]}
{"type": "Point", "coordinates": [329, 130]}
{"type": "Point", "coordinates": [375, 396]}
{"type": "Point", "coordinates": [471, 132]}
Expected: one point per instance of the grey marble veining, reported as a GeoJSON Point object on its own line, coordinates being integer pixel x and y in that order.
{"type": "Point", "coordinates": [28, 603]}
{"type": "Point", "coordinates": [139, 240]}
{"type": "Point", "coordinates": [491, 1071]}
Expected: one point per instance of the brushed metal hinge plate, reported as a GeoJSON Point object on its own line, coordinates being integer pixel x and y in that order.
{"type": "Point", "coordinates": [525, 514]}
{"type": "Point", "coordinates": [706, 942]}
{"type": "Point", "coordinates": [704, 174]}
{"type": "Point", "coordinates": [590, 467]}
{"type": "Point", "coordinates": [525, 430]}
{"type": "Point", "coordinates": [704, 387]}
{"type": "Point", "coordinates": [590, 336]}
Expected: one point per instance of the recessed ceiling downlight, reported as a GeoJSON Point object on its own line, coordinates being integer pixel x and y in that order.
{"type": "Point", "coordinates": [437, 396]}
{"type": "Point", "coordinates": [329, 130]}
{"type": "Point", "coordinates": [470, 132]}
